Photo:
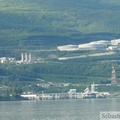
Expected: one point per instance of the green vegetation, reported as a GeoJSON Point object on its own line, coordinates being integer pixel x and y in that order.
{"type": "Point", "coordinates": [81, 72]}
{"type": "Point", "coordinates": [38, 23]}
{"type": "Point", "coordinates": [32, 25]}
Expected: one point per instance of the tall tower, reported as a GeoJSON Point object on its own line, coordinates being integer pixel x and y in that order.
{"type": "Point", "coordinates": [93, 88]}
{"type": "Point", "coordinates": [26, 57]}
{"type": "Point", "coordinates": [22, 57]}
{"type": "Point", "coordinates": [30, 57]}
{"type": "Point", "coordinates": [113, 77]}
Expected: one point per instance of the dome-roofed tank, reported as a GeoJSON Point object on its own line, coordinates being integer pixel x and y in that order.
{"type": "Point", "coordinates": [68, 47]}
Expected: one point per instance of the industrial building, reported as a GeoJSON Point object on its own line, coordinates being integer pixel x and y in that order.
{"type": "Point", "coordinates": [95, 45]}
{"type": "Point", "coordinates": [115, 42]}
{"type": "Point", "coordinates": [7, 60]}
{"type": "Point", "coordinates": [26, 57]}
{"type": "Point", "coordinates": [68, 48]}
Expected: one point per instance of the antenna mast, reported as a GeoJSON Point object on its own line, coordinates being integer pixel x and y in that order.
{"type": "Point", "coordinates": [113, 77]}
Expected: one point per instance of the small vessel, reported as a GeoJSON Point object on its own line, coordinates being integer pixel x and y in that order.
{"type": "Point", "coordinates": [89, 94]}
{"type": "Point", "coordinates": [100, 96]}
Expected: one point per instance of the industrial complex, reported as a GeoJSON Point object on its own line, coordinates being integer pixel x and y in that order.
{"type": "Point", "coordinates": [73, 94]}
{"type": "Point", "coordinates": [25, 59]}
{"type": "Point", "coordinates": [111, 47]}
{"type": "Point", "coordinates": [95, 45]}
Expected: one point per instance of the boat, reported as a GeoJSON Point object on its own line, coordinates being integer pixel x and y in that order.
{"type": "Point", "coordinates": [89, 96]}
{"type": "Point", "coordinates": [92, 94]}
{"type": "Point", "coordinates": [100, 96]}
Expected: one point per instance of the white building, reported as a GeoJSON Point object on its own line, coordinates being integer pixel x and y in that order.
{"type": "Point", "coordinates": [102, 42]}
{"type": "Point", "coordinates": [7, 60]}
{"type": "Point", "coordinates": [3, 60]}
{"type": "Point", "coordinates": [31, 96]}
{"type": "Point", "coordinates": [95, 45]}
{"type": "Point", "coordinates": [115, 42]}
{"type": "Point", "coordinates": [68, 48]}
{"type": "Point", "coordinates": [72, 91]}
{"type": "Point", "coordinates": [113, 48]}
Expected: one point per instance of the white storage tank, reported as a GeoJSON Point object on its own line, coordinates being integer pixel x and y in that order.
{"type": "Point", "coordinates": [112, 48]}
{"type": "Point", "coordinates": [91, 46]}
{"type": "Point", "coordinates": [86, 47]}
{"type": "Point", "coordinates": [68, 47]}
{"type": "Point", "coordinates": [104, 42]}
{"type": "Point", "coordinates": [115, 42]}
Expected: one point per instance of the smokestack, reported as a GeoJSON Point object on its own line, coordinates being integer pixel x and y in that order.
{"type": "Point", "coordinates": [22, 57]}
{"type": "Point", "coordinates": [30, 57]}
{"type": "Point", "coordinates": [26, 57]}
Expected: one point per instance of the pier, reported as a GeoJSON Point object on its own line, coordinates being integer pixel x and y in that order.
{"type": "Point", "coordinates": [71, 94]}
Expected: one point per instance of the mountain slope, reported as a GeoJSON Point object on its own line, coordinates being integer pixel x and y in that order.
{"type": "Point", "coordinates": [52, 22]}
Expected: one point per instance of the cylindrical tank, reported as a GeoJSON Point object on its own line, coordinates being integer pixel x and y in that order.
{"type": "Point", "coordinates": [68, 47]}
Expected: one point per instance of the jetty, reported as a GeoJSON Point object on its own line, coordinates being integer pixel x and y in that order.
{"type": "Point", "coordinates": [71, 94]}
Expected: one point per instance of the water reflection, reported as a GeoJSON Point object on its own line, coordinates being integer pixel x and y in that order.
{"type": "Point", "coordinates": [57, 109]}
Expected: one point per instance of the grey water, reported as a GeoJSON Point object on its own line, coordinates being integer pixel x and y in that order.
{"type": "Point", "coordinates": [70, 109]}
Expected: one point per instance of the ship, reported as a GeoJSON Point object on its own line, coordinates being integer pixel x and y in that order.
{"type": "Point", "coordinates": [92, 94]}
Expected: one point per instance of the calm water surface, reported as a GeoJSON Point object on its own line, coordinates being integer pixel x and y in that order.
{"type": "Point", "coordinates": [76, 109]}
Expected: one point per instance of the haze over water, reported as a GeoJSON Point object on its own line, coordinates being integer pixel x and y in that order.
{"type": "Point", "coordinates": [76, 109]}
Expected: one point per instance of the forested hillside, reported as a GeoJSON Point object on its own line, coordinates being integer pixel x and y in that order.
{"type": "Point", "coordinates": [53, 22]}
{"type": "Point", "coordinates": [39, 26]}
